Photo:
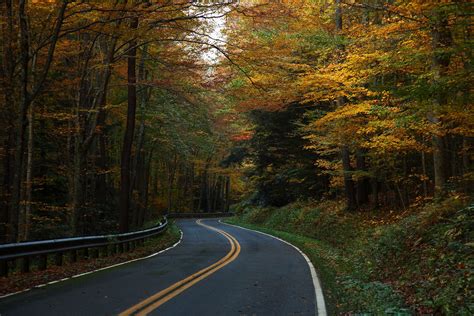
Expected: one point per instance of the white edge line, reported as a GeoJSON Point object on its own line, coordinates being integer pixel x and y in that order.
{"type": "Point", "coordinates": [93, 271]}
{"type": "Point", "coordinates": [320, 304]}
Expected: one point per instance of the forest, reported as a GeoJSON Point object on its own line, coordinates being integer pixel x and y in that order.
{"type": "Point", "coordinates": [346, 126]}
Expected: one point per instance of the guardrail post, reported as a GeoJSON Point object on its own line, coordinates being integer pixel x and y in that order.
{"type": "Point", "coordinates": [113, 249]}
{"type": "Point", "coordinates": [86, 253]}
{"type": "Point", "coordinates": [120, 248]}
{"type": "Point", "coordinates": [43, 262]}
{"type": "Point", "coordinates": [105, 251]}
{"type": "Point", "coordinates": [95, 253]}
{"type": "Point", "coordinates": [25, 264]}
{"type": "Point", "coordinates": [58, 259]}
{"type": "Point", "coordinates": [73, 255]}
{"type": "Point", "coordinates": [4, 268]}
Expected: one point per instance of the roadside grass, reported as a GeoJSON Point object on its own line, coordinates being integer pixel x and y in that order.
{"type": "Point", "coordinates": [20, 281]}
{"type": "Point", "coordinates": [416, 262]}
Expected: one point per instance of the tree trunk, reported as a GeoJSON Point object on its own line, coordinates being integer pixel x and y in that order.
{"type": "Point", "coordinates": [348, 182]}
{"type": "Point", "coordinates": [204, 189]}
{"type": "Point", "coordinates": [191, 188]}
{"type": "Point", "coordinates": [144, 191]}
{"type": "Point", "coordinates": [227, 195]}
{"type": "Point", "coordinates": [467, 164]}
{"type": "Point", "coordinates": [6, 193]}
{"type": "Point", "coordinates": [441, 40]}
{"type": "Point", "coordinates": [425, 175]}
{"type": "Point", "coordinates": [345, 154]}
{"type": "Point", "coordinates": [363, 182]}
{"type": "Point", "coordinates": [215, 195]}
{"type": "Point", "coordinates": [375, 191]}
{"type": "Point", "coordinates": [21, 122]}
{"type": "Point", "coordinates": [101, 192]}
{"type": "Point", "coordinates": [338, 15]}
{"type": "Point", "coordinates": [77, 198]}
{"type": "Point", "coordinates": [453, 150]}
{"type": "Point", "coordinates": [7, 74]}
{"type": "Point", "coordinates": [208, 193]}
{"type": "Point", "coordinates": [406, 195]}
{"type": "Point", "coordinates": [140, 157]}
{"type": "Point", "coordinates": [154, 181]}
{"type": "Point", "coordinates": [438, 164]}
{"type": "Point", "coordinates": [172, 166]}
{"type": "Point", "coordinates": [128, 136]}
{"type": "Point", "coordinates": [29, 177]}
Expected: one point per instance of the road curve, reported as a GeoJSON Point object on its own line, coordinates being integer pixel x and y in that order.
{"type": "Point", "coordinates": [216, 270]}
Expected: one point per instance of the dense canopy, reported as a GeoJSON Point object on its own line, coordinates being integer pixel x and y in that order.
{"type": "Point", "coordinates": [116, 112]}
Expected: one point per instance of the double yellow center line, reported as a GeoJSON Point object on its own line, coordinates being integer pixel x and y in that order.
{"type": "Point", "coordinates": [153, 302]}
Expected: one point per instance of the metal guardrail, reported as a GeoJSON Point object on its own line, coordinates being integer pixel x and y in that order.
{"type": "Point", "coordinates": [25, 251]}
{"type": "Point", "coordinates": [200, 215]}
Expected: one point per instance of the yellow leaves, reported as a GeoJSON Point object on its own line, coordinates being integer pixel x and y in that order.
{"type": "Point", "coordinates": [374, 126]}
{"type": "Point", "coordinates": [367, 125]}
{"type": "Point", "coordinates": [343, 114]}
{"type": "Point", "coordinates": [331, 167]}
{"type": "Point", "coordinates": [386, 144]}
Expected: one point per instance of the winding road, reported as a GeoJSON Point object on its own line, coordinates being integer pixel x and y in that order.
{"type": "Point", "coordinates": [217, 269]}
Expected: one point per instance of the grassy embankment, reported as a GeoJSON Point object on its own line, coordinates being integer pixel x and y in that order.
{"type": "Point", "coordinates": [381, 263]}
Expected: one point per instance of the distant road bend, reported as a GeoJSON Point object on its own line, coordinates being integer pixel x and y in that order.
{"type": "Point", "coordinates": [217, 269]}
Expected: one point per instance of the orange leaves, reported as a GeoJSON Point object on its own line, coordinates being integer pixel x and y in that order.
{"type": "Point", "coordinates": [459, 121]}
{"type": "Point", "coordinates": [243, 136]}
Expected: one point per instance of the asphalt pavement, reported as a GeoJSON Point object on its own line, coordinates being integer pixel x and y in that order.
{"type": "Point", "coordinates": [266, 277]}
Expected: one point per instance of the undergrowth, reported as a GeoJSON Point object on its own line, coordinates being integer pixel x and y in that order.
{"type": "Point", "coordinates": [416, 262]}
